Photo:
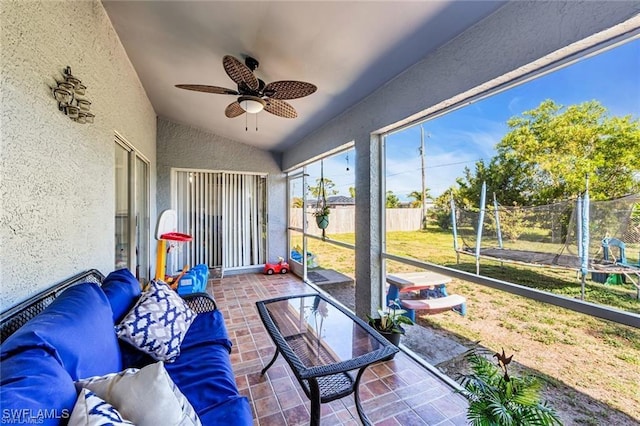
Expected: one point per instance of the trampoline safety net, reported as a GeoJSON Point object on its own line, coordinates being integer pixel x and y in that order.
{"type": "Point", "coordinates": [549, 234]}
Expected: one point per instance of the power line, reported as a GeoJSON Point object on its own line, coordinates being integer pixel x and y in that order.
{"type": "Point", "coordinates": [436, 166]}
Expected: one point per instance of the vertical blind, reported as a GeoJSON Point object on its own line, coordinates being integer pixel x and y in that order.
{"type": "Point", "coordinates": [225, 214]}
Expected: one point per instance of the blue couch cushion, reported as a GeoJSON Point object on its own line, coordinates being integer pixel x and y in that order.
{"type": "Point", "coordinates": [235, 411]}
{"type": "Point", "coordinates": [203, 373]}
{"type": "Point", "coordinates": [35, 388]}
{"type": "Point", "coordinates": [122, 290]}
{"type": "Point", "coordinates": [133, 357]}
{"type": "Point", "coordinates": [77, 329]}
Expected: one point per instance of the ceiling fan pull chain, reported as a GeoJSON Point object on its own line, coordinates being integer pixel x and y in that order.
{"type": "Point", "coordinates": [246, 125]}
{"type": "Point", "coordinates": [256, 122]}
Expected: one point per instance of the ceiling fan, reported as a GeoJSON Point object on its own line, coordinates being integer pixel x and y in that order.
{"type": "Point", "coordinates": [253, 94]}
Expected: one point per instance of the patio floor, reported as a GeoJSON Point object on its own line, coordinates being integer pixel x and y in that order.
{"type": "Point", "coordinates": [396, 392]}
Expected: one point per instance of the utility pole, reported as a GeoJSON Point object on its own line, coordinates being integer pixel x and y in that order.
{"type": "Point", "coordinates": [424, 185]}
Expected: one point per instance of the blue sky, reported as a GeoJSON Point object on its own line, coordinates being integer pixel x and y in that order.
{"type": "Point", "coordinates": [462, 137]}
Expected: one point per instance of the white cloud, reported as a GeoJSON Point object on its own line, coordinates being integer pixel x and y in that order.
{"type": "Point", "coordinates": [515, 105]}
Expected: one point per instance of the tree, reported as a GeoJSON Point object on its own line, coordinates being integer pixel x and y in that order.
{"type": "Point", "coordinates": [392, 200]}
{"type": "Point", "coordinates": [508, 178]}
{"type": "Point", "coordinates": [296, 202]}
{"type": "Point", "coordinates": [352, 191]}
{"type": "Point", "coordinates": [549, 150]}
{"type": "Point", "coordinates": [441, 210]}
{"type": "Point", "coordinates": [328, 188]}
{"type": "Point", "coordinates": [417, 197]}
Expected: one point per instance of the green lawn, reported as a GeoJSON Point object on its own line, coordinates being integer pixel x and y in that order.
{"type": "Point", "coordinates": [436, 246]}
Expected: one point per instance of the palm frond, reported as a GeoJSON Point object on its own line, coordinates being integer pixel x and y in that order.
{"type": "Point", "coordinates": [495, 399]}
{"type": "Point", "coordinates": [484, 368]}
{"type": "Point", "coordinates": [501, 413]}
{"type": "Point", "coordinates": [527, 392]}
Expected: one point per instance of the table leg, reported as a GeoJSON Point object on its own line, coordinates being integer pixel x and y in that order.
{"type": "Point", "coordinates": [264, 370]}
{"type": "Point", "coordinates": [356, 396]}
{"type": "Point", "coordinates": [314, 393]}
{"type": "Point", "coordinates": [392, 294]}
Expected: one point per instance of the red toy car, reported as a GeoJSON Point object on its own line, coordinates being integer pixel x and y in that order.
{"type": "Point", "coordinates": [281, 267]}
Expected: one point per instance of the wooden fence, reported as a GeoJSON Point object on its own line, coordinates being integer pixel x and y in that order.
{"type": "Point", "coordinates": [343, 220]}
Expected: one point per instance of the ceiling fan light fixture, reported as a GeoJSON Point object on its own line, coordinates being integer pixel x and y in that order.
{"type": "Point", "coordinates": [253, 94]}
{"type": "Point", "coordinates": [251, 104]}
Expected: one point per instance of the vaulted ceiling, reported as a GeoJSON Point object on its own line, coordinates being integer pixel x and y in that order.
{"type": "Point", "coordinates": [347, 49]}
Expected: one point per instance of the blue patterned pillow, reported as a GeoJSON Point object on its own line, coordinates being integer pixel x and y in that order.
{"type": "Point", "coordinates": [91, 410]}
{"type": "Point", "coordinates": [158, 323]}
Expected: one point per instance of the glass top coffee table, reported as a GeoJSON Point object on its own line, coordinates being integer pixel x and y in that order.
{"type": "Point", "coordinates": [324, 344]}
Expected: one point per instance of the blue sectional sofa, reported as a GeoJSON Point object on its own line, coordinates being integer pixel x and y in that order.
{"type": "Point", "coordinates": [74, 338]}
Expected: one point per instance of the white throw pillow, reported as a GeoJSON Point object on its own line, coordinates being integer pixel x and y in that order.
{"type": "Point", "coordinates": [91, 410]}
{"type": "Point", "coordinates": [146, 397]}
{"type": "Point", "coordinates": [157, 323]}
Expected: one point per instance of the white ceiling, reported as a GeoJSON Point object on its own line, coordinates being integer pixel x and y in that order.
{"type": "Point", "coordinates": [347, 49]}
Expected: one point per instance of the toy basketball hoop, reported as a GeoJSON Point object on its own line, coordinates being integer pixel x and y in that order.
{"type": "Point", "coordinates": [175, 236]}
{"type": "Point", "coordinates": [166, 235]}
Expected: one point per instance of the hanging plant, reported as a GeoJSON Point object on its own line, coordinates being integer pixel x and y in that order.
{"type": "Point", "coordinates": [322, 210]}
{"type": "Point", "coordinates": [322, 217]}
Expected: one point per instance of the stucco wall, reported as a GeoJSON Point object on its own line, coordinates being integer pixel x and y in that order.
{"type": "Point", "coordinates": [519, 38]}
{"type": "Point", "coordinates": [183, 146]}
{"type": "Point", "coordinates": [57, 176]}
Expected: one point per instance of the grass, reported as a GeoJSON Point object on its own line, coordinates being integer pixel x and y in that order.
{"type": "Point", "coordinates": [436, 246]}
{"type": "Point", "coordinates": [584, 360]}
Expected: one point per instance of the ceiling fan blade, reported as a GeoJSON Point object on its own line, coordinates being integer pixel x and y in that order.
{"type": "Point", "coordinates": [239, 72]}
{"type": "Point", "coordinates": [280, 108]}
{"type": "Point", "coordinates": [233, 110]}
{"type": "Point", "coordinates": [207, 89]}
{"type": "Point", "coordinates": [289, 89]}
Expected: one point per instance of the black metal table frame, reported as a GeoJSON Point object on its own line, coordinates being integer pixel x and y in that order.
{"type": "Point", "coordinates": [318, 382]}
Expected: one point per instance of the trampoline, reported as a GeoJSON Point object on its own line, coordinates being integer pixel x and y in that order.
{"type": "Point", "coordinates": [557, 235]}
{"type": "Point", "coordinates": [528, 257]}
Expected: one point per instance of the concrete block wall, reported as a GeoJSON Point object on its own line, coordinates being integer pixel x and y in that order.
{"type": "Point", "coordinates": [57, 176]}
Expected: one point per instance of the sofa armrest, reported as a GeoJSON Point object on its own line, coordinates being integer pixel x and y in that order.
{"type": "Point", "coordinates": [200, 302]}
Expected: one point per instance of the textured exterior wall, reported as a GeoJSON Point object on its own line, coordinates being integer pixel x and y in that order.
{"type": "Point", "coordinates": [509, 43]}
{"type": "Point", "coordinates": [183, 146]}
{"type": "Point", "coordinates": [57, 176]}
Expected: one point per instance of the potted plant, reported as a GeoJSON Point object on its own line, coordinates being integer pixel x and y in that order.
{"type": "Point", "coordinates": [390, 322]}
{"type": "Point", "coordinates": [322, 210]}
{"type": "Point", "coordinates": [322, 216]}
{"type": "Point", "coordinates": [495, 398]}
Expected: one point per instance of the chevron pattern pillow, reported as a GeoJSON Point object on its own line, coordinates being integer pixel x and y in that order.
{"type": "Point", "coordinates": [157, 323]}
{"type": "Point", "coordinates": [91, 410]}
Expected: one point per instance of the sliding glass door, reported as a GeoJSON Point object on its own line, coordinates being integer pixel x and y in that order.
{"type": "Point", "coordinates": [132, 225]}
{"type": "Point", "coordinates": [122, 217]}
{"type": "Point", "coordinates": [225, 213]}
